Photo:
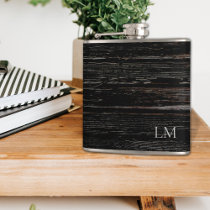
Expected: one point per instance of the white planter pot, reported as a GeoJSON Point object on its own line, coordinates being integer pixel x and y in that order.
{"type": "Point", "coordinates": [77, 62]}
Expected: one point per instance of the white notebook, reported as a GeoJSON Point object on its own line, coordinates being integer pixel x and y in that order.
{"type": "Point", "coordinates": [19, 87]}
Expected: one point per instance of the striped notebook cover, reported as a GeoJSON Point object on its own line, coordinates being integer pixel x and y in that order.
{"type": "Point", "coordinates": [17, 83]}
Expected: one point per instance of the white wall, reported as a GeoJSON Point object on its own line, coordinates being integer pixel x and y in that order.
{"type": "Point", "coordinates": [37, 38]}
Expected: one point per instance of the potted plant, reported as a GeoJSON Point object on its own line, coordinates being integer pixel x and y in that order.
{"type": "Point", "coordinates": [98, 16]}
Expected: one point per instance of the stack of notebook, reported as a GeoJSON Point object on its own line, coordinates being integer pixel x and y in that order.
{"type": "Point", "coordinates": [27, 99]}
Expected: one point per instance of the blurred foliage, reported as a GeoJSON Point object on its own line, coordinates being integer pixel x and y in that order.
{"type": "Point", "coordinates": [32, 207]}
{"type": "Point", "coordinates": [99, 16]}
{"type": "Point", "coordinates": [42, 2]}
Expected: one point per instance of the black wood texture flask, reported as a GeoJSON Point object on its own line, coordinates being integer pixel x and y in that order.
{"type": "Point", "coordinates": [137, 95]}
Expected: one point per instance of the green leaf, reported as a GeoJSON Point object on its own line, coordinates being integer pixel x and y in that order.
{"type": "Point", "coordinates": [36, 2]}
{"type": "Point", "coordinates": [79, 2]}
{"type": "Point", "coordinates": [99, 19]}
{"type": "Point", "coordinates": [126, 6]}
{"type": "Point", "coordinates": [105, 24]}
{"type": "Point", "coordinates": [117, 2]}
{"type": "Point", "coordinates": [32, 207]}
{"type": "Point", "coordinates": [119, 19]}
{"type": "Point", "coordinates": [86, 8]}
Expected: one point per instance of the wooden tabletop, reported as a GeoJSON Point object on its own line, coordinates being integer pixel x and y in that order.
{"type": "Point", "coordinates": [48, 160]}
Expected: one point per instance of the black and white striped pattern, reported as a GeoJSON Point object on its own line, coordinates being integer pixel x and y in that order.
{"type": "Point", "coordinates": [19, 81]}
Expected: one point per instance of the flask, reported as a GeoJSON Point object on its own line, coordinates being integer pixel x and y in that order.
{"type": "Point", "coordinates": [136, 93]}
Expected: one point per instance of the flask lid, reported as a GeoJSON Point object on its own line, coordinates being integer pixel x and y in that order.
{"type": "Point", "coordinates": [131, 31]}
{"type": "Point", "coordinates": [136, 30]}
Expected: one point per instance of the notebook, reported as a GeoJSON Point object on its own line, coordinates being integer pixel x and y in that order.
{"type": "Point", "coordinates": [19, 118]}
{"type": "Point", "coordinates": [19, 86]}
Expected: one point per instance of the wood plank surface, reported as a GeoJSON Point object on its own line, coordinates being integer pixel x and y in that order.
{"type": "Point", "coordinates": [48, 160]}
{"type": "Point", "coordinates": [157, 203]}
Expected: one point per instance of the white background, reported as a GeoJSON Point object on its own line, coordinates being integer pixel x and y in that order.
{"type": "Point", "coordinates": [40, 39]}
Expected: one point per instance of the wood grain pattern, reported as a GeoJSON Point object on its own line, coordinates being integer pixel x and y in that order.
{"type": "Point", "coordinates": [157, 203]}
{"type": "Point", "coordinates": [132, 88]}
{"type": "Point", "coordinates": [48, 160]}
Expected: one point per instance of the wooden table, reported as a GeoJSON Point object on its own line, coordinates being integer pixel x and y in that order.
{"type": "Point", "coordinates": [48, 160]}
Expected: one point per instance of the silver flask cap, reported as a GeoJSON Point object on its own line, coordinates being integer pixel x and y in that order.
{"type": "Point", "coordinates": [131, 31]}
